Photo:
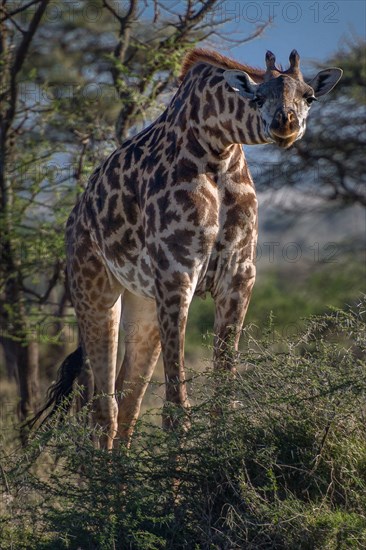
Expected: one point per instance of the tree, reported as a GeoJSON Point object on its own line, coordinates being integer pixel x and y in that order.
{"type": "Point", "coordinates": [13, 52]}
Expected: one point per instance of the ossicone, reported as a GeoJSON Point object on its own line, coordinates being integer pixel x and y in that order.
{"type": "Point", "coordinates": [271, 61]}
{"type": "Point", "coordinates": [294, 61]}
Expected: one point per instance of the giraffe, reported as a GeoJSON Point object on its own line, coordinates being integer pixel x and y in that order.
{"type": "Point", "coordinates": [170, 214]}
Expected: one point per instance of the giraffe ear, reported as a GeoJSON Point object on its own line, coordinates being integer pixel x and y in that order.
{"type": "Point", "coordinates": [241, 82]}
{"type": "Point", "coordinates": [325, 81]}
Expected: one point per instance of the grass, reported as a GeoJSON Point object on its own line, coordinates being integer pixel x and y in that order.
{"type": "Point", "coordinates": [274, 458]}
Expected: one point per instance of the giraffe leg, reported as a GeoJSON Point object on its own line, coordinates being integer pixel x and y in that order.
{"type": "Point", "coordinates": [100, 338]}
{"type": "Point", "coordinates": [142, 350]}
{"type": "Point", "coordinates": [230, 309]}
{"type": "Point", "coordinates": [96, 298]}
{"type": "Point", "coordinates": [173, 301]}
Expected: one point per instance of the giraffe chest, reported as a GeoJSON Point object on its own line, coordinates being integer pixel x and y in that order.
{"type": "Point", "coordinates": [205, 231]}
{"type": "Point", "coordinates": [233, 255]}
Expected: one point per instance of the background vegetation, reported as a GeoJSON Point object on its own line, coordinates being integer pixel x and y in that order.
{"type": "Point", "coordinates": [282, 468]}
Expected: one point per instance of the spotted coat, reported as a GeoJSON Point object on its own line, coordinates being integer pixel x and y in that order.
{"type": "Point", "coordinates": [173, 213]}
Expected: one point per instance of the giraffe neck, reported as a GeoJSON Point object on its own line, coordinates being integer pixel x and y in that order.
{"type": "Point", "coordinates": [217, 117]}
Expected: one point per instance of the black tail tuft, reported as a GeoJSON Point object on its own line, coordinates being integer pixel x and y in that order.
{"type": "Point", "coordinates": [60, 391]}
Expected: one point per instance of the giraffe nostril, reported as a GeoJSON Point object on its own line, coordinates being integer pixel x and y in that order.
{"type": "Point", "coordinates": [283, 116]}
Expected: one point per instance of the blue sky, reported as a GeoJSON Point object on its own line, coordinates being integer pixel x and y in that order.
{"type": "Point", "coordinates": [315, 28]}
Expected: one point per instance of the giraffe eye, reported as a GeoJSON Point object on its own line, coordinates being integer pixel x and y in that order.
{"type": "Point", "coordinates": [259, 100]}
{"type": "Point", "coordinates": [310, 99]}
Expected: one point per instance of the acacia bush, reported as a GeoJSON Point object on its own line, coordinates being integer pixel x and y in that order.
{"type": "Point", "coordinates": [275, 458]}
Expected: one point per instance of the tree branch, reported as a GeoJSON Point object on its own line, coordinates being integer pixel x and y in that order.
{"type": "Point", "coordinates": [42, 298]}
{"type": "Point", "coordinates": [125, 28]}
{"type": "Point", "coordinates": [8, 15]}
{"type": "Point", "coordinates": [20, 57]}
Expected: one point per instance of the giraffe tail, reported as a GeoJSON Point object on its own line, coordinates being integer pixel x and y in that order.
{"type": "Point", "coordinates": [60, 391]}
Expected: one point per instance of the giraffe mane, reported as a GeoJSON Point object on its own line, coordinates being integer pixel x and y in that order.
{"type": "Point", "coordinates": [201, 55]}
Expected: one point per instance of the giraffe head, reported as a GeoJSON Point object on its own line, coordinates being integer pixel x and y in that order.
{"type": "Point", "coordinates": [283, 99]}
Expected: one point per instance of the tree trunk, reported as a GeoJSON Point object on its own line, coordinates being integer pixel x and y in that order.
{"type": "Point", "coordinates": [24, 345]}
{"type": "Point", "coordinates": [10, 358]}
{"type": "Point", "coordinates": [28, 375]}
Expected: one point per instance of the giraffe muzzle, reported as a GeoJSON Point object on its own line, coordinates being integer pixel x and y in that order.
{"type": "Point", "coordinates": [285, 125]}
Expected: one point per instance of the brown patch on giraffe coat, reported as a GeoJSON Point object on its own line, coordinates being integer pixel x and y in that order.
{"type": "Point", "coordinates": [127, 153]}
{"type": "Point", "coordinates": [95, 175]}
{"type": "Point", "coordinates": [166, 215]}
{"type": "Point", "coordinates": [241, 135]}
{"type": "Point", "coordinates": [160, 258]}
{"type": "Point", "coordinates": [101, 189]}
{"type": "Point", "coordinates": [87, 271]}
{"type": "Point", "coordinates": [113, 171]}
{"type": "Point", "coordinates": [201, 206]}
{"type": "Point", "coordinates": [195, 105]}
{"type": "Point", "coordinates": [194, 146]}
{"type": "Point", "coordinates": [184, 171]}
{"type": "Point", "coordinates": [250, 128]}
{"type": "Point", "coordinates": [215, 80]}
{"type": "Point", "coordinates": [131, 209]}
{"type": "Point", "coordinates": [185, 90]}
{"type": "Point", "coordinates": [209, 107]}
{"type": "Point", "coordinates": [201, 84]}
{"type": "Point", "coordinates": [178, 245]}
{"type": "Point", "coordinates": [228, 126]}
{"type": "Point", "coordinates": [150, 219]}
{"type": "Point", "coordinates": [112, 220]}
{"type": "Point", "coordinates": [143, 282]}
{"type": "Point", "coordinates": [118, 252]}
{"type": "Point", "coordinates": [88, 284]}
{"type": "Point", "coordinates": [128, 243]}
{"type": "Point", "coordinates": [240, 109]}
{"type": "Point", "coordinates": [158, 181]}
{"type": "Point", "coordinates": [140, 235]}
{"type": "Point", "coordinates": [76, 266]}
{"type": "Point", "coordinates": [259, 127]}
{"type": "Point", "coordinates": [220, 98]}
{"type": "Point", "coordinates": [145, 267]}
{"type": "Point", "coordinates": [100, 283]}
{"type": "Point", "coordinates": [237, 176]}
{"type": "Point", "coordinates": [171, 150]}
{"type": "Point", "coordinates": [212, 131]}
